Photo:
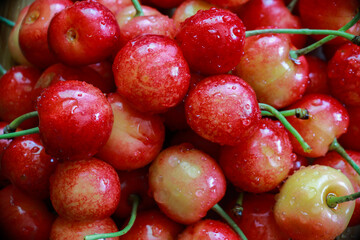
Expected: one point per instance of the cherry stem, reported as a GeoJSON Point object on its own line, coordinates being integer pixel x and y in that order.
{"type": "Point", "coordinates": [354, 39]}
{"type": "Point", "coordinates": [137, 6]}
{"type": "Point", "coordinates": [287, 125]}
{"type": "Point", "coordinates": [7, 21]}
{"type": "Point", "coordinates": [292, 5]}
{"type": "Point", "coordinates": [335, 146]}
{"type": "Point", "coordinates": [332, 200]}
{"type": "Point", "coordinates": [238, 209]}
{"type": "Point", "coordinates": [135, 203]}
{"type": "Point", "coordinates": [301, 113]}
{"type": "Point", "coordinates": [2, 70]}
{"type": "Point", "coordinates": [216, 208]}
{"type": "Point", "coordinates": [17, 121]}
{"type": "Point", "coordinates": [294, 54]}
{"type": "Point", "coordinates": [20, 133]}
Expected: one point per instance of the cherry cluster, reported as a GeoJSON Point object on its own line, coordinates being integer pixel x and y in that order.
{"type": "Point", "coordinates": [129, 120]}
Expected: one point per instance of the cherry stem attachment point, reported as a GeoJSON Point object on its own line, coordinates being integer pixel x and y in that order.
{"type": "Point", "coordinates": [238, 209]}
{"type": "Point", "coordinates": [292, 5]}
{"type": "Point", "coordinates": [7, 21]}
{"type": "Point", "coordinates": [306, 31]}
{"type": "Point", "coordinates": [17, 121]}
{"type": "Point", "coordinates": [300, 113]}
{"type": "Point", "coordinates": [137, 6]}
{"type": "Point", "coordinates": [2, 70]}
{"type": "Point", "coordinates": [216, 208]}
{"type": "Point", "coordinates": [287, 125]}
{"type": "Point", "coordinates": [135, 201]}
{"type": "Point", "coordinates": [20, 133]}
{"type": "Point", "coordinates": [294, 54]}
{"type": "Point", "coordinates": [335, 146]}
{"type": "Point", "coordinates": [332, 200]}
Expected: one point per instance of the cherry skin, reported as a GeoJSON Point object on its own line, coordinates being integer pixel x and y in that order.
{"type": "Point", "coordinates": [85, 190]}
{"type": "Point", "coordinates": [212, 41]}
{"type": "Point", "coordinates": [222, 109]}
{"type": "Point", "coordinates": [77, 230]}
{"type": "Point", "coordinates": [277, 79]}
{"type": "Point", "coordinates": [126, 14]}
{"type": "Point", "coordinates": [318, 79]}
{"type": "Point", "coordinates": [75, 119]}
{"type": "Point", "coordinates": [153, 224]}
{"type": "Point", "coordinates": [151, 73]}
{"type": "Point", "coordinates": [166, 3]}
{"type": "Point", "coordinates": [343, 72]}
{"type": "Point", "coordinates": [347, 139]}
{"type": "Point", "coordinates": [4, 143]}
{"type": "Point", "coordinates": [206, 230]}
{"type": "Point", "coordinates": [27, 165]}
{"type": "Point", "coordinates": [23, 217]}
{"type": "Point", "coordinates": [232, 4]}
{"type": "Point", "coordinates": [328, 120]}
{"type": "Point", "coordinates": [84, 33]}
{"type": "Point", "coordinates": [301, 209]}
{"type": "Point", "coordinates": [186, 183]}
{"type": "Point", "coordinates": [115, 5]}
{"type": "Point", "coordinates": [18, 95]}
{"type": "Point", "coordinates": [334, 160]}
{"type": "Point", "coordinates": [33, 33]}
{"type": "Point", "coordinates": [260, 162]}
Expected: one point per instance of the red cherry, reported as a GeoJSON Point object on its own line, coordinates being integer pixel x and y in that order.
{"type": "Point", "coordinates": [115, 5]}
{"type": "Point", "coordinates": [353, 132]}
{"type": "Point", "coordinates": [75, 119]}
{"type": "Point", "coordinates": [319, 82]}
{"type": "Point", "coordinates": [212, 41]}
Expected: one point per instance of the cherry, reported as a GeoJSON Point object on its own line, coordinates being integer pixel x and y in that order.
{"type": "Point", "coordinates": [262, 161]}
{"type": "Point", "coordinates": [353, 132]}
{"type": "Point", "coordinates": [126, 14]}
{"type": "Point", "coordinates": [27, 165]}
{"type": "Point", "coordinates": [75, 119]}
{"type": "Point", "coordinates": [228, 3]}
{"type": "Point", "coordinates": [83, 33]}
{"type": "Point", "coordinates": [318, 79]}
{"type": "Point", "coordinates": [166, 3]}
{"type": "Point", "coordinates": [186, 183]}
{"type": "Point", "coordinates": [212, 41]}
{"type": "Point", "coordinates": [115, 5]}
{"type": "Point", "coordinates": [85, 190]}
{"type": "Point", "coordinates": [151, 73]}
{"type": "Point", "coordinates": [222, 109]}
{"type": "Point", "coordinates": [302, 209]}
{"type": "Point", "coordinates": [4, 143]}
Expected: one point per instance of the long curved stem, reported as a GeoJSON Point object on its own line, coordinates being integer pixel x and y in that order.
{"type": "Point", "coordinates": [137, 6]}
{"type": "Point", "coordinates": [17, 121]}
{"type": "Point", "coordinates": [287, 125]}
{"type": "Point", "coordinates": [332, 200]}
{"type": "Point", "coordinates": [20, 133]}
{"type": "Point", "coordinates": [296, 53]}
{"type": "Point", "coordinates": [300, 113]}
{"type": "Point", "coordinates": [2, 70]}
{"type": "Point", "coordinates": [335, 146]}
{"type": "Point", "coordinates": [135, 201]}
{"type": "Point", "coordinates": [7, 21]}
{"type": "Point", "coordinates": [229, 220]}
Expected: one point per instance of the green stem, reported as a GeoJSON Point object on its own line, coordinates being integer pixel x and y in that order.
{"type": "Point", "coordinates": [135, 200]}
{"type": "Point", "coordinates": [216, 208]}
{"type": "Point", "coordinates": [238, 209]}
{"type": "Point", "coordinates": [7, 21]}
{"type": "Point", "coordinates": [335, 146]}
{"type": "Point", "coordinates": [296, 53]}
{"type": "Point", "coordinates": [20, 133]}
{"type": "Point", "coordinates": [17, 121]}
{"type": "Point", "coordinates": [287, 125]}
{"type": "Point", "coordinates": [298, 112]}
{"type": "Point", "coordinates": [2, 70]}
{"type": "Point", "coordinates": [332, 200]}
{"type": "Point", "coordinates": [137, 6]}
{"type": "Point", "coordinates": [305, 31]}
{"type": "Point", "coordinates": [292, 5]}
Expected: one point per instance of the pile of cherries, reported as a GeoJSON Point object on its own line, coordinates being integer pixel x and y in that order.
{"type": "Point", "coordinates": [128, 120]}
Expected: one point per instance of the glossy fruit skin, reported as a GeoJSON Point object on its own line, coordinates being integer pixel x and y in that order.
{"type": "Point", "coordinates": [27, 165]}
{"type": "Point", "coordinates": [328, 120]}
{"type": "Point", "coordinates": [228, 3]}
{"type": "Point", "coordinates": [280, 80]}
{"type": "Point", "coordinates": [115, 5]}
{"type": "Point", "coordinates": [206, 230]}
{"type": "Point", "coordinates": [136, 138]}
{"type": "Point", "coordinates": [128, 13]}
{"type": "Point", "coordinates": [318, 78]}
{"type": "Point", "coordinates": [301, 208]}
{"type": "Point", "coordinates": [334, 160]}
{"type": "Point", "coordinates": [63, 229]}
{"type": "Point", "coordinates": [222, 109]}
{"type": "Point", "coordinates": [4, 143]}
{"type": "Point", "coordinates": [257, 218]}
{"type": "Point", "coordinates": [33, 33]}
{"type": "Point", "coordinates": [18, 96]}
{"type": "Point", "coordinates": [212, 41]}
{"type": "Point", "coordinates": [151, 73]}
{"type": "Point", "coordinates": [84, 33]}
{"type": "Point", "coordinates": [23, 217]}
{"type": "Point", "coordinates": [260, 162]}
{"type": "Point", "coordinates": [186, 183]}
{"type": "Point", "coordinates": [344, 74]}
{"type": "Point", "coordinates": [75, 119]}
{"type": "Point", "coordinates": [151, 225]}
{"type": "Point", "coordinates": [85, 190]}
{"type": "Point", "coordinates": [347, 139]}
